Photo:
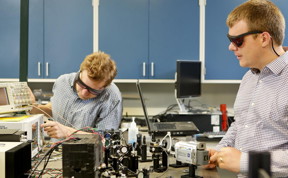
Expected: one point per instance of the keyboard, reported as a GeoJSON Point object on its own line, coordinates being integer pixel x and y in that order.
{"type": "Point", "coordinates": [165, 126]}
{"type": "Point", "coordinates": [219, 134]}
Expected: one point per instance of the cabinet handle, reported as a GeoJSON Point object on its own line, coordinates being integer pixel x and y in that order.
{"type": "Point", "coordinates": [47, 69]}
{"type": "Point", "coordinates": [152, 69]}
{"type": "Point", "coordinates": [144, 69]}
{"type": "Point", "coordinates": [39, 69]}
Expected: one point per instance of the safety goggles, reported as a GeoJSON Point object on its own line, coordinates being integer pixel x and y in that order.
{"type": "Point", "coordinates": [238, 40]}
{"type": "Point", "coordinates": [84, 86]}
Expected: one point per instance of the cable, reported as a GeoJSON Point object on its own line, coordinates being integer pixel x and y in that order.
{"type": "Point", "coordinates": [199, 107]}
{"type": "Point", "coordinates": [48, 153]}
{"type": "Point", "coordinates": [89, 130]}
{"type": "Point", "coordinates": [66, 123]}
{"type": "Point", "coordinates": [169, 108]}
{"type": "Point", "coordinates": [61, 117]}
{"type": "Point", "coordinates": [273, 48]}
{"type": "Point", "coordinates": [170, 140]}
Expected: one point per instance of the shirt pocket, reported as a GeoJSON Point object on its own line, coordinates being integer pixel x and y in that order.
{"type": "Point", "coordinates": [279, 107]}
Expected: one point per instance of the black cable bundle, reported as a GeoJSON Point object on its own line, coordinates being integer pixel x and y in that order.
{"type": "Point", "coordinates": [47, 156]}
{"type": "Point", "coordinates": [162, 115]}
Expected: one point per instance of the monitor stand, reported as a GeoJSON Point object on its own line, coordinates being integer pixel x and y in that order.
{"type": "Point", "coordinates": [181, 105]}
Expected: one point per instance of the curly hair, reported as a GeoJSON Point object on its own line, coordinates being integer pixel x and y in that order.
{"type": "Point", "coordinates": [100, 67]}
{"type": "Point", "coordinates": [260, 15]}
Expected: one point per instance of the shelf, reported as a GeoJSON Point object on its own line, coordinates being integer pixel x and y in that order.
{"type": "Point", "coordinates": [164, 81]}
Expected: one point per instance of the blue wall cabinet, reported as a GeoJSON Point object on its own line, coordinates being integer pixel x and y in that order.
{"type": "Point", "coordinates": [283, 5]}
{"type": "Point", "coordinates": [173, 34]}
{"type": "Point", "coordinates": [60, 36]}
{"type": "Point", "coordinates": [146, 37]}
{"type": "Point", "coordinates": [36, 39]}
{"type": "Point", "coordinates": [9, 38]}
{"type": "Point", "coordinates": [220, 63]}
{"type": "Point", "coordinates": [123, 33]}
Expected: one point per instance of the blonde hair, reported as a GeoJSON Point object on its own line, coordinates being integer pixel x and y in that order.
{"type": "Point", "coordinates": [260, 15]}
{"type": "Point", "coordinates": [100, 67]}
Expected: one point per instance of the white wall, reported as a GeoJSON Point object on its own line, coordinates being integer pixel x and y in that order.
{"type": "Point", "coordinates": [158, 96]}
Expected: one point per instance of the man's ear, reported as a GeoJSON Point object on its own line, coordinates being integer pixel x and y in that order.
{"type": "Point", "coordinates": [266, 39]}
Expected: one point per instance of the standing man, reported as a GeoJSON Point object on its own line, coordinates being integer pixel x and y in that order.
{"type": "Point", "coordinates": [87, 98]}
{"type": "Point", "coordinates": [256, 32]}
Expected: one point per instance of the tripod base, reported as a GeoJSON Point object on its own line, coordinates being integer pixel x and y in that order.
{"type": "Point", "coordinates": [191, 174]}
{"type": "Point", "coordinates": [147, 160]}
{"type": "Point", "coordinates": [187, 176]}
{"type": "Point", "coordinates": [178, 164]}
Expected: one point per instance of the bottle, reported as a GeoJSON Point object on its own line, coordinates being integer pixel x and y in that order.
{"type": "Point", "coordinates": [132, 132]}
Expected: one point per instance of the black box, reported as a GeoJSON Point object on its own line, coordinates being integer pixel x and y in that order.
{"type": "Point", "coordinates": [15, 159]}
{"type": "Point", "coordinates": [82, 157]}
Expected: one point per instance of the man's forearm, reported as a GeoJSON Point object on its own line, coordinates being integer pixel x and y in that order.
{"type": "Point", "coordinates": [42, 109]}
{"type": "Point", "coordinates": [71, 131]}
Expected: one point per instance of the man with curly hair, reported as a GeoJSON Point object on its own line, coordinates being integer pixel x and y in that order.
{"type": "Point", "coordinates": [87, 98]}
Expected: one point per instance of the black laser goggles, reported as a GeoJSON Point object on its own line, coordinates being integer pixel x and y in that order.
{"type": "Point", "coordinates": [238, 40]}
{"type": "Point", "coordinates": [84, 86]}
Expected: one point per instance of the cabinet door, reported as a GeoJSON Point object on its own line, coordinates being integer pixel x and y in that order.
{"type": "Point", "coordinates": [220, 63]}
{"type": "Point", "coordinates": [68, 37]}
{"type": "Point", "coordinates": [283, 5]}
{"type": "Point", "coordinates": [173, 35]}
{"type": "Point", "coordinates": [9, 38]}
{"type": "Point", "coordinates": [123, 33]}
{"type": "Point", "coordinates": [36, 40]}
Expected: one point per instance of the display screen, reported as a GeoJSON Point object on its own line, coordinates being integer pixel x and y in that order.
{"type": "Point", "coordinates": [188, 80]}
{"type": "Point", "coordinates": [3, 97]}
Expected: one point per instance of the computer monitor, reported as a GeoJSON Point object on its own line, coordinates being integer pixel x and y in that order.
{"type": "Point", "coordinates": [188, 80]}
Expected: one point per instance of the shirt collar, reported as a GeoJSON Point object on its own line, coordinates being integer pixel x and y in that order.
{"type": "Point", "coordinates": [255, 71]}
{"type": "Point", "coordinates": [275, 66]}
{"type": "Point", "coordinates": [278, 64]}
{"type": "Point", "coordinates": [72, 81]}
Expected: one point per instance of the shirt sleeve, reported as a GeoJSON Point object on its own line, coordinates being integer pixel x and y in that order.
{"type": "Point", "coordinates": [279, 162]}
{"type": "Point", "coordinates": [229, 139]}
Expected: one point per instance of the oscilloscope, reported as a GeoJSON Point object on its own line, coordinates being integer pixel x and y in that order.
{"type": "Point", "coordinates": [15, 97]}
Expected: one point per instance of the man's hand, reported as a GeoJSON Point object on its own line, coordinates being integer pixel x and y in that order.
{"type": "Point", "coordinates": [57, 130]}
{"type": "Point", "coordinates": [227, 158]}
{"type": "Point", "coordinates": [212, 164]}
